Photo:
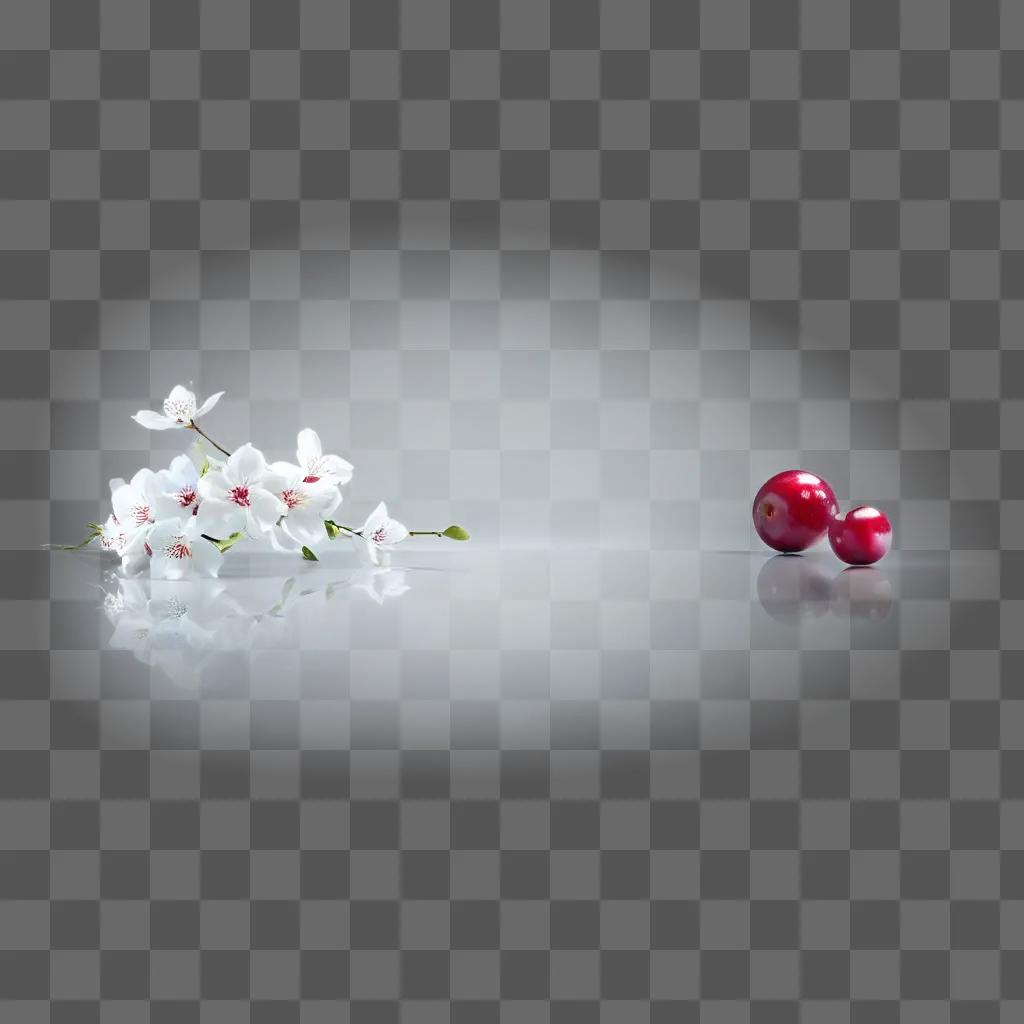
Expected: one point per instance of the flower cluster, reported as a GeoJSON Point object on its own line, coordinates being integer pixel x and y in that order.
{"type": "Point", "coordinates": [181, 520]}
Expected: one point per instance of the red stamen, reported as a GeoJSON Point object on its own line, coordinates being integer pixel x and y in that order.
{"type": "Point", "coordinates": [178, 548]}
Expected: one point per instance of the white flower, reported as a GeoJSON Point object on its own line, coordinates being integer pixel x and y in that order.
{"type": "Point", "coordinates": [234, 498]}
{"type": "Point", "coordinates": [380, 534]}
{"type": "Point", "coordinates": [180, 481]}
{"type": "Point", "coordinates": [179, 410]}
{"type": "Point", "coordinates": [140, 502]}
{"type": "Point", "coordinates": [309, 502]}
{"type": "Point", "coordinates": [315, 465]}
{"type": "Point", "coordinates": [113, 537]}
{"type": "Point", "coordinates": [179, 550]}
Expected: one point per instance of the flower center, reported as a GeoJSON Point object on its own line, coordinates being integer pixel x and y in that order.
{"type": "Point", "coordinates": [378, 535]}
{"type": "Point", "coordinates": [179, 410]}
{"type": "Point", "coordinates": [186, 496]}
{"type": "Point", "coordinates": [240, 496]}
{"type": "Point", "coordinates": [310, 479]}
{"type": "Point", "coordinates": [292, 497]}
{"type": "Point", "coordinates": [178, 548]}
{"type": "Point", "coordinates": [142, 514]}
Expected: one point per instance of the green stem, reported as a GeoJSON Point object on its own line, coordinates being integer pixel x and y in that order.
{"type": "Point", "coordinates": [452, 533]}
{"type": "Point", "coordinates": [194, 426]}
{"type": "Point", "coordinates": [412, 533]}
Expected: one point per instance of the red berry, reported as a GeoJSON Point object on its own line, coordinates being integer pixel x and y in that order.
{"type": "Point", "coordinates": [793, 510]}
{"type": "Point", "coordinates": [862, 536]}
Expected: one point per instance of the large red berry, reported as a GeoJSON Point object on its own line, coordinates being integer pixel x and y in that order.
{"type": "Point", "coordinates": [793, 510]}
{"type": "Point", "coordinates": [862, 536]}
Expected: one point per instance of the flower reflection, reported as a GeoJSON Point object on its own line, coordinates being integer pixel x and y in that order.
{"type": "Point", "coordinates": [792, 588]}
{"type": "Point", "coordinates": [156, 618]}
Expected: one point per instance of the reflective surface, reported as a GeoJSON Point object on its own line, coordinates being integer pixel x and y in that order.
{"type": "Point", "coordinates": [519, 776]}
{"type": "Point", "coordinates": [520, 600]}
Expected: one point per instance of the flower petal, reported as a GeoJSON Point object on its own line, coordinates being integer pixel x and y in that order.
{"type": "Point", "coordinates": [394, 532]}
{"type": "Point", "coordinates": [367, 550]}
{"type": "Point", "coordinates": [375, 518]}
{"type": "Point", "coordinates": [308, 448]}
{"type": "Point", "coordinates": [282, 540]}
{"type": "Point", "coordinates": [164, 506]}
{"type": "Point", "coordinates": [206, 559]}
{"type": "Point", "coordinates": [336, 468]}
{"type": "Point", "coordinates": [208, 404]}
{"type": "Point", "coordinates": [162, 567]}
{"type": "Point", "coordinates": [275, 482]}
{"type": "Point", "coordinates": [324, 500]}
{"type": "Point", "coordinates": [214, 484]}
{"type": "Point", "coordinates": [135, 557]}
{"type": "Point", "coordinates": [246, 465]}
{"type": "Point", "coordinates": [123, 501]}
{"type": "Point", "coordinates": [219, 518]}
{"type": "Point", "coordinates": [304, 524]}
{"type": "Point", "coordinates": [155, 420]}
{"type": "Point", "coordinates": [287, 470]}
{"type": "Point", "coordinates": [179, 473]}
{"type": "Point", "coordinates": [264, 509]}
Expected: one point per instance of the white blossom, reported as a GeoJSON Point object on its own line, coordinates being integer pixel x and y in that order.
{"type": "Point", "coordinates": [235, 498]}
{"type": "Point", "coordinates": [315, 465]}
{"type": "Point", "coordinates": [180, 481]}
{"type": "Point", "coordinates": [178, 549]}
{"type": "Point", "coordinates": [380, 534]}
{"type": "Point", "coordinates": [140, 502]}
{"type": "Point", "coordinates": [180, 410]}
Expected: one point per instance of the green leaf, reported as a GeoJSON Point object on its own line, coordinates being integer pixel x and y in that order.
{"type": "Point", "coordinates": [308, 555]}
{"type": "Point", "coordinates": [331, 528]}
{"type": "Point", "coordinates": [205, 467]}
{"type": "Point", "coordinates": [228, 542]}
{"type": "Point", "coordinates": [456, 533]}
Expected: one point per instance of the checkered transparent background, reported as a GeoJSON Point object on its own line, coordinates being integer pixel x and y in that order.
{"type": "Point", "coordinates": [578, 274]}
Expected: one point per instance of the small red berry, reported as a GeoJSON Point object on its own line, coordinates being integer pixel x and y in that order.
{"type": "Point", "coordinates": [793, 510]}
{"type": "Point", "coordinates": [862, 536]}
